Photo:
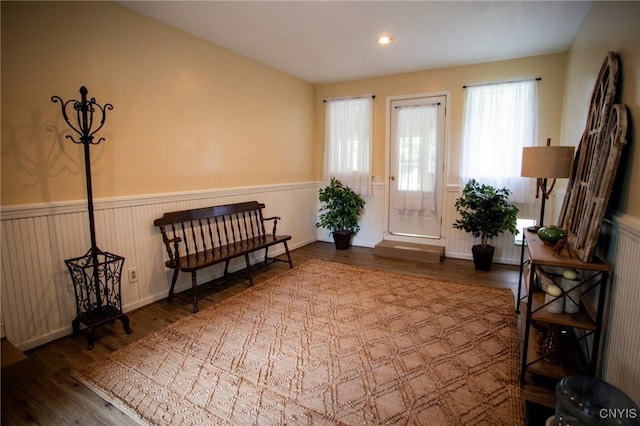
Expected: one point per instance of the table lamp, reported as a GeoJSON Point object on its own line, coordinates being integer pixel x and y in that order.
{"type": "Point", "coordinates": [543, 163]}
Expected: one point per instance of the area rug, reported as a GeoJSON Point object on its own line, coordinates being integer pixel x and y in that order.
{"type": "Point", "coordinates": [327, 344]}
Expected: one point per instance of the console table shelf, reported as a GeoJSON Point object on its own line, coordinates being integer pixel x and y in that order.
{"type": "Point", "coordinates": [539, 314]}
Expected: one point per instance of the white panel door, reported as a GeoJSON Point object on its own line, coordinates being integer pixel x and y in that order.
{"type": "Point", "coordinates": [416, 166]}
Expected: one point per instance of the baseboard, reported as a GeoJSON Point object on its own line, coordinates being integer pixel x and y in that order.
{"type": "Point", "coordinates": [469, 256]}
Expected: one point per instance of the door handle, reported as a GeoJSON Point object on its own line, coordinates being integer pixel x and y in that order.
{"type": "Point", "coordinates": [392, 177]}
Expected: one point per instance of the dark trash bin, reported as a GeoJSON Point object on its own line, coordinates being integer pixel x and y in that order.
{"type": "Point", "coordinates": [582, 400]}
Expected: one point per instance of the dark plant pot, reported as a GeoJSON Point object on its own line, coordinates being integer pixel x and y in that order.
{"type": "Point", "coordinates": [342, 239]}
{"type": "Point", "coordinates": [482, 257]}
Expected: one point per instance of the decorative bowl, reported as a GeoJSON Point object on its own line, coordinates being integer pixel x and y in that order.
{"type": "Point", "coordinates": [551, 234]}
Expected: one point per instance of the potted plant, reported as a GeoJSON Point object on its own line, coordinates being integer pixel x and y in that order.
{"type": "Point", "coordinates": [485, 212]}
{"type": "Point", "coordinates": [340, 210]}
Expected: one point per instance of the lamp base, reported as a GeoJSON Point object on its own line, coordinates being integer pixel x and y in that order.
{"type": "Point", "coordinates": [534, 228]}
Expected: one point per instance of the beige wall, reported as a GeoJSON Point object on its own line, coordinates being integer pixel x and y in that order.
{"type": "Point", "coordinates": [550, 68]}
{"type": "Point", "coordinates": [613, 26]}
{"type": "Point", "coordinates": [609, 26]}
{"type": "Point", "coordinates": [188, 115]}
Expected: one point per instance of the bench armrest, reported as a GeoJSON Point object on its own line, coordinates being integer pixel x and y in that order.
{"type": "Point", "coordinates": [173, 255]}
{"type": "Point", "coordinates": [275, 222]}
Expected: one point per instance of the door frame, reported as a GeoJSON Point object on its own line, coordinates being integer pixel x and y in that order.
{"type": "Point", "coordinates": [447, 140]}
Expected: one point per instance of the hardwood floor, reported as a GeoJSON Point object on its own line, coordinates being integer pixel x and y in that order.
{"type": "Point", "coordinates": [56, 398]}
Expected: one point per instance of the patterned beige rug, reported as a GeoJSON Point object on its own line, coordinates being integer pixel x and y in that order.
{"type": "Point", "coordinates": [327, 344]}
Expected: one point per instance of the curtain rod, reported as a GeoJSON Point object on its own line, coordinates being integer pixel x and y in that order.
{"type": "Point", "coordinates": [502, 82]}
{"type": "Point", "coordinates": [341, 98]}
{"type": "Point", "coordinates": [417, 105]}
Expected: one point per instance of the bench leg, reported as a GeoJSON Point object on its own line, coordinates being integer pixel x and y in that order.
{"type": "Point", "coordinates": [173, 284]}
{"type": "Point", "coordinates": [194, 286]}
{"type": "Point", "coordinates": [286, 248]}
{"type": "Point", "coordinates": [226, 269]}
{"type": "Point", "coordinates": [246, 258]}
{"type": "Point", "coordinates": [266, 256]}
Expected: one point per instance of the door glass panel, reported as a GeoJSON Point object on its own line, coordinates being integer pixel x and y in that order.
{"type": "Point", "coordinates": [417, 157]}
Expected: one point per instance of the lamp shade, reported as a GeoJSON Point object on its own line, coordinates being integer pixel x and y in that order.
{"type": "Point", "coordinates": [549, 162]}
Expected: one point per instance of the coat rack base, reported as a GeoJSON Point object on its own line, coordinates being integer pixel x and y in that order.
{"type": "Point", "coordinates": [95, 319]}
{"type": "Point", "coordinates": [96, 282]}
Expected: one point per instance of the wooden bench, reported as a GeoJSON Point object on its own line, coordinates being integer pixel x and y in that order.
{"type": "Point", "coordinates": [198, 238]}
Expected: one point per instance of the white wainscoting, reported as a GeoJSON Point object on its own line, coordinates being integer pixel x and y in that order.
{"type": "Point", "coordinates": [620, 245]}
{"type": "Point", "coordinates": [457, 243]}
{"type": "Point", "coordinates": [38, 304]}
{"type": "Point", "coordinates": [37, 297]}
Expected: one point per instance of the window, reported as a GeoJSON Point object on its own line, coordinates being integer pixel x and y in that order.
{"type": "Point", "coordinates": [348, 142]}
{"type": "Point", "coordinates": [418, 143]}
{"type": "Point", "coordinates": [521, 224]}
{"type": "Point", "coordinates": [499, 120]}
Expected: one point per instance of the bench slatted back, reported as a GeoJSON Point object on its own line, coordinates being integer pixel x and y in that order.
{"type": "Point", "coordinates": [201, 230]}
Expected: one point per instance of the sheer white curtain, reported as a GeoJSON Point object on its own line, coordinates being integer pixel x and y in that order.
{"type": "Point", "coordinates": [348, 142]}
{"type": "Point", "coordinates": [417, 158]}
{"type": "Point", "coordinates": [499, 120]}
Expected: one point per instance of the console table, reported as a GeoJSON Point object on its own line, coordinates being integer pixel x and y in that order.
{"type": "Point", "coordinates": [579, 334]}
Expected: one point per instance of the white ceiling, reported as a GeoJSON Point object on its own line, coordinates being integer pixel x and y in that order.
{"type": "Point", "coordinates": [331, 41]}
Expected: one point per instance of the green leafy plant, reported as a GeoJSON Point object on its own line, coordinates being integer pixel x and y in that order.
{"type": "Point", "coordinates": [485, 211]}
{"type": "Point", "coordinates": [340, 208]}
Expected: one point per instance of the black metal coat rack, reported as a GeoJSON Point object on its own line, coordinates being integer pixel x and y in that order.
{"type": "Point", "coordinates": [97, 274]}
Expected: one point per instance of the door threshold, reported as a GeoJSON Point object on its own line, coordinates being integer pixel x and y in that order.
{"type": "Point", "coordinates": [422, 253]}
{"type": "Point", "coordinates": [415, 239]}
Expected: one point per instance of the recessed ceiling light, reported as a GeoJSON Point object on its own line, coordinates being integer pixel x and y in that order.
{"type": "Point", "coordinates": [384, 40]}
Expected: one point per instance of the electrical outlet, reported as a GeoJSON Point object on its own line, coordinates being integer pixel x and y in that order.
{"type": "Point", "coordinates": [133, 274]}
